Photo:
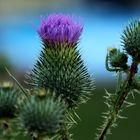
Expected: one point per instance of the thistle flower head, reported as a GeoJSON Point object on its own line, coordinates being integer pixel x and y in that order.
{"type": "Point", "coordinates": [42, 116]}
{"type": "Point", "coordinates": [131, 39]}
{"type": "Point", "coordinates": [60, 29]}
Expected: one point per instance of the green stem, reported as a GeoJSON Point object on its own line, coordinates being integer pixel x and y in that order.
{"type": "Point", "coordinates": [120, 100]}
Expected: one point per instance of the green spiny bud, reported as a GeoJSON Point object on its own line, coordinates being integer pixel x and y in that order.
{"type": "Point", "coordinates": [62, 70]}
{"type": "Point", "coordinates": [8, 100]}
{"type": "Point", "coordinates": [44, 117]}
{"type": "Point", "coordinates": [136, 82]}
{"type": "Point", "coordinates": [131, 40]}
{"type": "Point", "coordinates": [117, 58]}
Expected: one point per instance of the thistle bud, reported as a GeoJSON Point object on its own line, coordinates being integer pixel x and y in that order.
{"type": "Point", "coordinates": [131, 40]}
{"type": "Point", "coordinates": [44, 117]}
{"type": "Point", "coordinates": [117, 58]}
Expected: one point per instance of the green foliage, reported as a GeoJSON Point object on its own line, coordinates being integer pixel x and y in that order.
{"type": "Point", "coordinates": [131, 39]}
{"type": "Point", "coordinates": [62, 70]}
{"type": "Point", "coordinates": [42, 116]}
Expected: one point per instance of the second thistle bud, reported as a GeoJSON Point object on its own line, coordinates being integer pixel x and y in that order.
{"type": "Point", "coordinates": [117, 58]}
{"type": "Point", "coordinates": [43, 117]}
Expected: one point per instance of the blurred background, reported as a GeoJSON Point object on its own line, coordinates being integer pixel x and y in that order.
{"type": "Point", "coordinates": [103, 22]}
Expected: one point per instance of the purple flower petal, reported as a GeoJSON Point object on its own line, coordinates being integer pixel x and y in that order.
{"type": "Point", "coordinates": [60, 28]}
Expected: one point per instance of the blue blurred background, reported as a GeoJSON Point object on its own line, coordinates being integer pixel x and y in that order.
{"type": "Point", "coordinates": [103, 22]}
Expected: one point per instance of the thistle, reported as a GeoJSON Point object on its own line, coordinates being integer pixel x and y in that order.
{"type": "Point", "coordinates": [117, 61]}
{"type": "Point", "coordinates": [42, 117]}
{"type": "Point", "coordinates": [131, 39]}
{"type": "Point", "coordinates": [60, 67]}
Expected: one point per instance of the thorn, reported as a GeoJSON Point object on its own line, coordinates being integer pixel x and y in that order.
{"type": "Point", "coordinates": [105, 117]}
{"type": "Point", "coordinates": [121, 117]}
{"type": "Point", "coordinates": [99, 129]}
{"type": "Point", "coordinates": [72, 119]}
{"type": "Point", "coordinates": [132, 94]}
{"type": "Point", "coordinates": [114, 125]}
{"type": "Point", "coordinates": [108, 105]}
{"type": "Point", "coordinates": [106, 113]}
{"type": "Point", "coordinates": [77, 116]}
{"type": "Point", "coordinates": [109, 94]}
{"type": "Point", "coordinates": [106, 97]}
{"type": "Point", "coordinates": [129, 104]}
{"type": "Point", "coordinates": [138, 92]}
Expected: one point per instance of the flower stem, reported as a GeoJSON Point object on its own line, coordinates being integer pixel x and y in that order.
{"type": "Point", "coordinates": [122, 94]}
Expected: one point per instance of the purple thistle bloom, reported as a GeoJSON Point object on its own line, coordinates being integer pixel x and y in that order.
{"type": "Point", "coordinates": [60, 28]}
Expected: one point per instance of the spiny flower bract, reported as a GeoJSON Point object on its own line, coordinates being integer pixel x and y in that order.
{"type": "Point", "coordinates": [42, 116]}
{"type": "Point", "coordinates": [60, 67]}
{"type": "Point", "coordinates": [60, 29]}
{"type": "Point", "coordinates": [63, 71]}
